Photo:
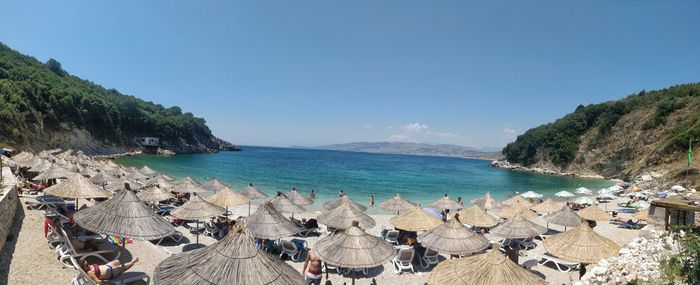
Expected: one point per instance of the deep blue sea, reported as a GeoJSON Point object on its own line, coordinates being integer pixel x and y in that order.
{"type": "Point", "coordinates": [421, 179]}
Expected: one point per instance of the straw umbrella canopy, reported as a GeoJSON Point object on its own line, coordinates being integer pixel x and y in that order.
{"type": "Point", "coordinates": [397, 203]}
{"type": "Point", "coordinates": [161, 182]}
{"type": "Point", "coordinates": [354, 248]}
{"type": "Point", "coordinates": [234, 260]}
{"type": "Point", "coordinates": [477, 217]}
{"type": "Point", "coordinates": [87, 171]}
{"type": "Point", "coordinates": [415, 220]}
{"type": "Point", "coordinates": [214, 185]}
{"type": "Point", "coordinates": [517, 199]}
{"type": "Point", "coordinates": [581, 244]}
{"type": "Point", "coordinates": [40, 165]}
{"type": "Point", "coordinates": [445, 203]}
{"type": "Point", "coordinates": [487, 202]}
{"type": "Point", "coordinates": [120, 184]}
{"type": "Point", "coordinates": [594, 213]}
{"type": "Point", "coordinates": [147, 171]}
{"type": "Point", "coordinates": [565, 217]}
{"type": "Point", "coordinates": [547, 206]}
{"type": "Point", "coordinates": [101, 178]}
{"type": "Point", "coordinates": [227, 198]}
{"type": "Point", "coordinates": [22, 156]}
{"type": "Point", "coordinates": [154, 194]}
{"type": "Point", "coordinates": [54, 171]}
{"type": "Point", "coordinates": [335, 203]}
{"type": "Point", "coordinates": [187, 185]}
{"type": "Point", "coordinates": [124, 215]}
{"type": "Point", "coordinates": [453, 237]}
{"type": "Point", "coordinates": [77, 187]}
{"type": "Point", "coordinates": [343, 216]}
{"type": "Point", "coordinates": [252, 193]}
{"type": "Point", "coordinates": [284, 205]}
{"type": "Point", "coordinates": [268, 223]}
{"type": "Point", "coordinates": [167, 177]}
{"type": "Point", "coordinates": [517, 209]}
{"type": "Point", "coordinates": [136, 175]}
{"type": "Point", "coordinates": [196, 209]}
{"type": "Point", "coordinates": [491, 268]}
{"type": "Point", "coordinates": [119, 172]}
{"type": "Point", "coordinates": [518, 227]}
{"type": "Point", "coordinates": [298, 199]}
{"type": "Point", "coordinates": [564, 194]}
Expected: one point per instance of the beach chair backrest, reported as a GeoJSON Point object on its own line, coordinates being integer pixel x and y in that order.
{"type": "Point", "coordinates": [288, 245]}
{"type": "Point", "coordinates": [406, 254]}
{"type": "Point", "coordinates": [83, 277]}
{"type": "Point", "coordinates": [68, 241]}
{"type": "Point", "coordinates": [392, 234]}
{"type": "Point", "coordinates": [430, 252]}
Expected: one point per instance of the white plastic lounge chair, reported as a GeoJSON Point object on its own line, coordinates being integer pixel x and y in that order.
{"type": "Point", "coordinates": [559, 263]}
{"type": "Point", "coordinates": [327, 267]}
{"type": "Point", "coordinates": [430, 257]}
{"type": "Point", "coordinates": [306, 232]}
{"type": "Point", "coordinates": [68, 251]}
{"type": "Point", "coordinates": [210, 229]}
{"type": "Point", "coordinates": [404, 260]}
{"type": "Point", "coordinates": [129, 276]}
{"type": "Point", "coordinates": [176, 237]}
{"type": "Point", "coordinates": [392, 236]}
{"type": "Point", "coordinates": [289, 248]}
{"type": "Point", "coordinates": [527, 244]}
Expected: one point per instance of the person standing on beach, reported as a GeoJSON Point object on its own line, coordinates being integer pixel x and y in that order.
{"type": "Point", "coordinates": [313, 194]}
{"type": "Point", "coordinates": [371, 200]}
{"type": "Point", "coordinates": [341, 194]}
{"type": "Point", "coordinates": [313, 263]}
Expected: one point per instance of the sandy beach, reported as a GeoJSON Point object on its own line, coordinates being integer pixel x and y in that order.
{"type": "Point", "coordinates": [31, 261]}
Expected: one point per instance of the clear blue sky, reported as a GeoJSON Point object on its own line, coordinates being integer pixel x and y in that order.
{"type": "Point", "coordinates": [285, 73]}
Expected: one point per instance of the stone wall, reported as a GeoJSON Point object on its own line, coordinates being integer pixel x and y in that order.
{"type": "Point", "coordinates": [8, 203]}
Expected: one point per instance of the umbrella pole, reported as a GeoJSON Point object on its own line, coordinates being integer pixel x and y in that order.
{"type": "Point", "coordinates": [248, 207]}
{"type": "Point", "coordinates": [197, 230]}
{"type": "Point", "coordinates": [120, 262]}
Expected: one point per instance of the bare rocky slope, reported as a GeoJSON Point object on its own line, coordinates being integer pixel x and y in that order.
{"type": "Point", "coordinates": [644, 132]}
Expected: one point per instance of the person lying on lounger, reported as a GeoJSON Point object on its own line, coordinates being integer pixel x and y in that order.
{"type": "Point", "coordinates": [100, 273]}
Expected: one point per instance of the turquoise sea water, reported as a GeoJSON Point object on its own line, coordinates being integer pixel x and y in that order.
{"type": "Point", "coordinates": [422, 179]}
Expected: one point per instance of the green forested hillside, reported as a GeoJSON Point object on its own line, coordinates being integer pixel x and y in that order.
{"type": "Point", "coordinates": [644, 129]}
{"type": "Point", "coordinates": [38, 99]}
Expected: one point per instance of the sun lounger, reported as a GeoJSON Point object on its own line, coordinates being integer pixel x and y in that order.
{"type": "Point", "coordinates": [210, 229]}
{"type": "Point", "coordinates": [404, 260]}
{"type": "Point", "coordinates": [562, 265]}
{"type": "Point", "coordinates": [129, 276]}
{"type": "Point", "coordinates": [291, 249]}
{"type": "Point", "coordinates": [633, 226]}
{"type": "Point", "coordinates": [430, 257]}
{"type": "Point", "coordinates": [392, 236]}
{"type": "Point", "coordinates": [176, 237]}
{"type": "Point", "coordinates": [69, 251]}
{"type": "Point", "coordinates": [527, 244]}
{"type": "Point", "coordinates": [626, 210]}
{"type": "Point", "coordinates": [43, 201]}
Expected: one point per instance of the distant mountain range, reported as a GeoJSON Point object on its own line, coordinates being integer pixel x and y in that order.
{"type": "Point", "coordinates": [447, 150]}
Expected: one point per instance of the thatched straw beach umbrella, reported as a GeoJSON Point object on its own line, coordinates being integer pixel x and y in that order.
{"type": "Point", "coordinates": [487, 202]}
{"type": "Point", "coordinates": [188, 185]}
{"type": "Point", "coordinates": [53, 172]}
{"type": "Point", "coordinates": [445, 203]}
{"type": "Point", "coordinates": [161, 182]}
{"type": "Point", "coordinates": [121, 183]}
{"type": "Point", "coordinates": [214, 185]}
{"type": "Point", "coordinates": [594, 213]}
{"type": "Point", "coordinates": [415, 220]}
{"type": "Point", "coordinates": [40, 166]}
{"type": "Point", "coordinates": [196, 209]}
{"type": "Point", "coordinates": [343, 216]}
{"type": "Point", "coordinates": [477, 217]}
{"type": "Point", "coordinates": [284, 205]}
{"type": "Point", "coordinates": [77, 187]}
{"type": "Point", "coordinates": [225, 197]}
{"type": "Point", "coordinates": [517, 208]}
{"type": "Point", "coordinates": [252, 193]}
{"type": "Point", "coordinates": [517, 227]}
{"type": "Point", "coordinates": [297, 198]}
{"type": "Point", "coordinates": [398, 204]}
{"type": "Point", "coordinates": [491, 268]}
{"type": "Point", "coordinates": [453, 237]}
{"type": "Point", "coordinates": [581, 244]}
{"type": "Point", "coordinates": [353, 248]}
{"type": "Point", "coordinates": [136, 175]}
{"type": "Point", "coordinates": [335, 203]}
{"type": "Point", "coordinates": [547, 206]}
{"type": "Point", "coordinates": [268, 223]}
{"type": "Point", "coordinates": [517, 199]}
{"type": "Point", "coordinates": [126, 216]}
{"type": "Point", "coordinates": [101, 178]}
{"type": "Point", "coordinates": [235, 260]}
{"type": "Point", "coordinates": [565, 217]}
{"type": "Point", "coordinates": [147, 171]}
{"type": "Point", "coordinates": [155, 194]}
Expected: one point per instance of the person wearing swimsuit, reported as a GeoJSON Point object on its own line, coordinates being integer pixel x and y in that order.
{"type": "Point", "coordinates": [313, 263]}
{"type": "Point", "coordinates": [101, 273]}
